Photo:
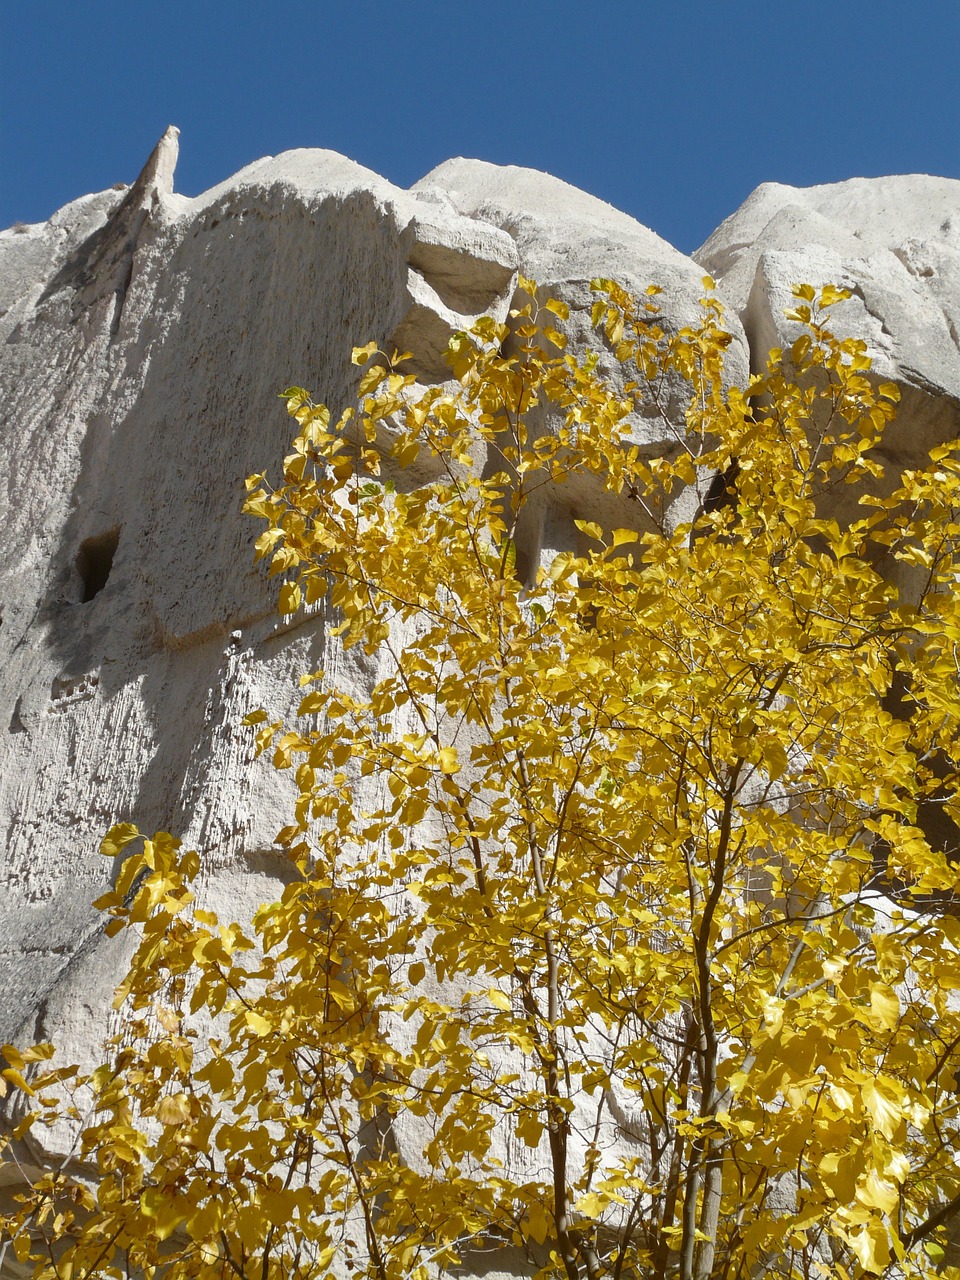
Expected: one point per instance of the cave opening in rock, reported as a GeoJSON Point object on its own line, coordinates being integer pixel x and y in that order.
{"type": "Point", "coordinates": [95, 560]}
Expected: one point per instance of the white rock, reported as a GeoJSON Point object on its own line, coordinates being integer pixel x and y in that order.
{"type": "Point", "coordinates": [896, 243]}
{"type": "Point", "coordinates": [144, 353]}
{"type": "Point", "coordinates": [147, 336]}
{"type": "Point", "coordinates": [566, 238]}
{"type": "Point", "coordinates": [145, 339]}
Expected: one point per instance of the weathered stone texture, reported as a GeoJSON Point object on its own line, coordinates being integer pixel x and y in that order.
{"type": "Point", "coordinates": [896, 243]}
{"type": "Point", "coordinates": [144, 339]}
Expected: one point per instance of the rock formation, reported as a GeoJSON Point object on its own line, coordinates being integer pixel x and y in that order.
{"type": "Point", "coordinates": [895, 242]}
{"type": "Point", "coordinates": [145, 338]}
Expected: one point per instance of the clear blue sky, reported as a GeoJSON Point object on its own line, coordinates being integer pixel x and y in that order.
{"type": "Point", "coordinates": [671, 110]}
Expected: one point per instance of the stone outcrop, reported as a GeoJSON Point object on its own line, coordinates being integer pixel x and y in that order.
{"type": "Point", "coordinates": [895, 242]}
{"type": "Point", "coordinates": [145, 337]}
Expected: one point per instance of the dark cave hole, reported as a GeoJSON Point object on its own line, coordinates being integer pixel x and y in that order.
{"type": "Point", "coordinates": [95, 560]}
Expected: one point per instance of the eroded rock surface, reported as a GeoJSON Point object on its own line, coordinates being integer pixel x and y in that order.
{"type": "Point", "coordinates": [895, 242]}
{"type": "Point", "coordinates": [145, 337]}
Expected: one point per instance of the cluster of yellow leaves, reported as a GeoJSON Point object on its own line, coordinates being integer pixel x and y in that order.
{"type": "Point", "coordinates": [645, 942]}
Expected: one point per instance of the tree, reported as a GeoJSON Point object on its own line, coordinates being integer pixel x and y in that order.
{"type": "Point", "coordinates": [647, 946]}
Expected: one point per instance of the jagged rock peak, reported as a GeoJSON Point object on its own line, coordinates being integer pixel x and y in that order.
{"type": "Point", "coordinates": [157, 173]}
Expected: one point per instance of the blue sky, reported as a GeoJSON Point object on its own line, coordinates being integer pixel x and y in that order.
{"type": "Point", "coordinates": [673, 111]}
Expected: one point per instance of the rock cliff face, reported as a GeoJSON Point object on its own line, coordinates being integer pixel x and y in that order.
{"type": "Point", "coordinates": [895, 242]}
{"type": "Point", "coordinates": [144, 339]}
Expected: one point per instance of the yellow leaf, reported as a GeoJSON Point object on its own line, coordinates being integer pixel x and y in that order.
{"type": "Point", "coordinates": [529, 1128]}
{"type": "Point", "coordinates": [774, 758]}
{"type": "Point", "coordinates": [593, 1204]}
{"type": "Point", "coordinates": [372, 379]}
{"type": "Point", "coordinates": [537, 1223]}
{"type": "Point", "coordinates": [839, 1171]}
{"type": "Point", "coordinates": [164, 1212]}
{"type": "Point", "coordinates": [205, 1221]}
{"type": "Point", "coordinates": [622, 536]}
{"type": "Point", "coordinates": [13, 1056]}
{"type": "Point", "coordinates": [447, 759]}
{"type": "Point", "coordinates": [174, 1110]}
{"type": "Point", "coordinates": [117, 839]}
{"type": "Point", "coordinates": [884, 1005]}
{"type": "Point", "coordinates": [831, 294]}
{"type": "Point", "coordinates": [877, 1193]}
{"type": "Point", "coordinates": [35, 1053]}
{"type": "Point", "coordinates": [897, 1166]}
{"type": "Point", "coordinates": [883, 1107]}
{"type": "Point", "coordinates": [168, 1020]}
{"type": "Point", "coordinates": [872, 1247]}
{"type": "Point", "coordinates": [561, 567]}
{"type": "Point", "coordinates": [772, 1014]}
{"type": "Point", "coordinates": [842, 1098]}
{"type": "Point", "coordinates": [360, 355]}
{"type": "Point", "coordinates": [289, 597]}
{"type": "Point", "coordinates": [17, 1079]}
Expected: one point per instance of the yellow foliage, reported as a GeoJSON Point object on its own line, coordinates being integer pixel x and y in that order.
{"type": "Point", "coordinates": [648, 945]}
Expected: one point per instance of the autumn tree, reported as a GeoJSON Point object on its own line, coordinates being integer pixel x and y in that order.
{"type": "Point", "coordinates": [642, 962]}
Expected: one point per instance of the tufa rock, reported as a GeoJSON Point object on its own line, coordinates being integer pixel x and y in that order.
{"type": "Point", "coordinates": [145, 337]}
